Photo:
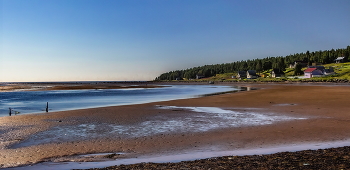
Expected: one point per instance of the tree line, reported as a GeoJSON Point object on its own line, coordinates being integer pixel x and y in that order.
{"type": "Point", "coordinates": [259, 65]}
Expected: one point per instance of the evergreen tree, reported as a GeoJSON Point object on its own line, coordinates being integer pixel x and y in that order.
{"type": "Point", "coordinates": [258, 66]}
{"type": "Point", "coordinates": [297, 70]}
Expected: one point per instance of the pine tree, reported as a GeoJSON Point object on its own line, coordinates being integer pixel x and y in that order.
{"type": "Point", "coordinates": [297, 70]}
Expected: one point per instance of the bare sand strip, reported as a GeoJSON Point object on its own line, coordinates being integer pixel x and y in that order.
{"type": "Point", "coordinates": [73, 86]}
{"type": "Point", "coordinates": [325, 107]}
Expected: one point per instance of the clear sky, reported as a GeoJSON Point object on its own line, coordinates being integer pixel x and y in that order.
{"type": "Point", "coordinates": [88, 40]}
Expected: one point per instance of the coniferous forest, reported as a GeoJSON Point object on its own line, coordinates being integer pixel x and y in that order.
{"type": "Point", "coordinates": [259, 65]}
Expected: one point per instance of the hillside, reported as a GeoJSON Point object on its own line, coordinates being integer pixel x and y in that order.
{"type": "Point", "coordinates": [342, 73]}
{"type": "Point", "coordinates": [262, 66]}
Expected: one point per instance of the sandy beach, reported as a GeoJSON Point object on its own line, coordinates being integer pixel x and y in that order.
{"type": "Point", "coordinates": [321, 114]}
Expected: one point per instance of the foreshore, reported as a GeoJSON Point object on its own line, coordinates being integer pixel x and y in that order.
{"type": "Point", "coordinates": [333, 158]}
{"type": "Point", "coordinates": [324, 109]}
{"type": "Point", "coordinates": [42, 86]}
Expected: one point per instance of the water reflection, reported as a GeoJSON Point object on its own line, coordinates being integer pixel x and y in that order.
{"type": "Point", "coordinates": [26, 102]}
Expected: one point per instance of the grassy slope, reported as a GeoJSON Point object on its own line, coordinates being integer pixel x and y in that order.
{"type": "Point", "coordinates": [342, 73]}
{"type": "Point", "coordinates": [342, 70]}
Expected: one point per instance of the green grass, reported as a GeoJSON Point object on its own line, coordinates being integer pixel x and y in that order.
{"type": "Point", "coordinates": [289, 72]}
{"type": "Point", "coordinates": [342, 70]}
{"type": "Point", "coordinates": [221, 77]}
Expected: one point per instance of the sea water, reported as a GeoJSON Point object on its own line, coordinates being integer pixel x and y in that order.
{"type": "Point", "coordinates": [25, 102]}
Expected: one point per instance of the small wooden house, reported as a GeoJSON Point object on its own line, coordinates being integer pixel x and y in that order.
{"type": "Point", "coordinates": [241, 75]}
{"type": "Point", "coordinates": [302, 63]}
{"type": "Point", "coordinates": [328, 72]}
{"type": "Point", "coordinates": [198, 76]}
{"type": "Point", "coordinates": [312, 72]}
{"type": "Point", "coordinates": [251, 74]}
{"type": "Point", "coordinates": [277, 73]}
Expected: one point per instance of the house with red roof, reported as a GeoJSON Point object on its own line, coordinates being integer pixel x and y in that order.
{"type": "Point", "coordinates": [313, 72]}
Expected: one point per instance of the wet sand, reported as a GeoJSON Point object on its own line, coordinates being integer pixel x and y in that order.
{"type": "Point", "coordinates": [334, 158]}
{"type": "Point", "coordinates": [324, 107]}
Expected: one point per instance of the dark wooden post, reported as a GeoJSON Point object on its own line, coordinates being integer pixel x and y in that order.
{"type": "Point", "coordinates": [47, 106]}
{"type": "Point", "coordinates": [10, 113]}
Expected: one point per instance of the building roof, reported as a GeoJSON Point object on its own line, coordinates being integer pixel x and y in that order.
{"type": "Point", "coordinates": [309, 70]}
{"type": "Point", "coordinates": [251, 72]}
{"type": "Point", "coordinates": [328, 71]}
{"type": "Point", "coordinates": [340, 58]}
{"type": "Point", "coordinates": [317, 67]}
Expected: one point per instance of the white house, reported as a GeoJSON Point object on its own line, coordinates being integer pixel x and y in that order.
{"type": "Point", "coordinates": [241, 75]}
{"type": "Point", "coordinates": [277, 73]}
{"type": "Point", "coordinates": [251, 74]}
{"type": "Point", "coordinates": [339, 60]}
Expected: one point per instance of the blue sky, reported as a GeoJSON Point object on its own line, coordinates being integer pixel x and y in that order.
{"type": "Point", "coordinates": [77, 40]}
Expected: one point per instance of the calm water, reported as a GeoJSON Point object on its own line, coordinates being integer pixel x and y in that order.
{"type": "Point", "coordinates": [24, 102]}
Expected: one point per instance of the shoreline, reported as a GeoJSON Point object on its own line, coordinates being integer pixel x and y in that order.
{"type": "Point", "coordinates": [332, 158]}
{"type": "Point", "coordinates": [44, 86]}
{"type": "Point", "coordinates": [314, 154]}
{"type": "Point", "coordinates": [325, 125]}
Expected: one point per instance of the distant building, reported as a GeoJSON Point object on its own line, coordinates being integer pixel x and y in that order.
{"type": "Point", "coordinates": [241, 75]}
{"type": "Point", "coordinates": [318, 67]}
{"type": "Point", "coordinates": [302, 63]}
{"type": "Point", "coordinates": [199, 76]}
{"type": "Point", "coordinates": [340, 60]}
{"type": "Point", "coordinates": [251, 74]}
{"type": "Point", "coordinates": [328, 72]}
{"type": "Point", "coordinates": [277, 73]}
{"type": "Point", "coordinates": [318, 71]}
{"type": "Point", "coordinates": [312, 72]}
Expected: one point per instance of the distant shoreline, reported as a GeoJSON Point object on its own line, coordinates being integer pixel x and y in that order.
{"type": "Point", "coordinates": [43, 86]}
{"type": "Point", "coordinates": [71, 85]}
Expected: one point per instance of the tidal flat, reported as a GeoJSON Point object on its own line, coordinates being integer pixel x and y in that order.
{"type": "Point", "coordinates": [296, 115]}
